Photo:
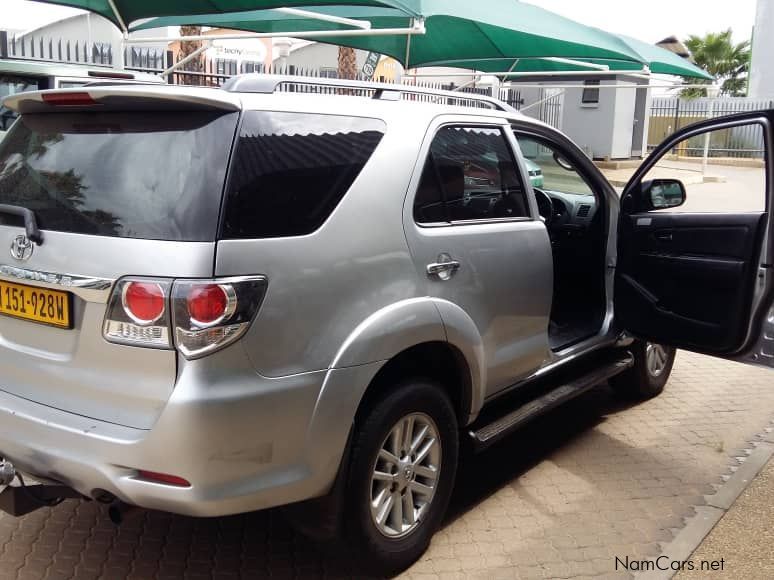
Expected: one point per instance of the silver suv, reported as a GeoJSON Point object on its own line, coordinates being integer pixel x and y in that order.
{"type": "Point", "coordinates": [314, 292]}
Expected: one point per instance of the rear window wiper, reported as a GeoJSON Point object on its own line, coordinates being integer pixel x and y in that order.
{"type": "Point", "coordinates": [30, 223]}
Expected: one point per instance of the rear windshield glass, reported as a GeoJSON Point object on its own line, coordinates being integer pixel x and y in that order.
{"type": "Point", "coordinates": [133, 175]}
{"type": "Point", "coordinates": [291, 170]}
{"type": "Point", "coordinates": [10, 85]}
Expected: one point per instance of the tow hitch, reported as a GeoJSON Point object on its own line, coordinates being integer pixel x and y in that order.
{"type": "Point", "coordinates": [23, 499]}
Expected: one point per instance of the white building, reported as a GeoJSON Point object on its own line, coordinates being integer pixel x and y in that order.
{"type": "Point", "coordinates": [85, 29]}
{"type": "Point", "coordinates": [762, 69]}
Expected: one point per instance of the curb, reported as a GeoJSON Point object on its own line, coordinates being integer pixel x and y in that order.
{"type": "Point", "coordinates": [707, 516]}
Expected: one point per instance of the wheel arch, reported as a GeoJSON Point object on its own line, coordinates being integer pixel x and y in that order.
{"type": "Point", "coordinates": [437, 361]}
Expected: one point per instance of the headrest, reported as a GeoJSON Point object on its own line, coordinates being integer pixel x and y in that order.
{"type": "Point", "coordinates": [453, 179]}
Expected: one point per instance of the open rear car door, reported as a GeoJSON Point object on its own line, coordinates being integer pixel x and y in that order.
{"type": "Point", "coordinates": [695, 280]}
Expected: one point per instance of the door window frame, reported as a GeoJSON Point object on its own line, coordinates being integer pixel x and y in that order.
{"type": "Point", "coordinates": [585, 167]}
{"type": "Point", "coordinates": [578, 161]}
{"type": "Point", "coordinates": [700, 128]}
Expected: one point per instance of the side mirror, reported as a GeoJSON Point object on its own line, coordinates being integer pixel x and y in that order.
{"type": "Point", "coordinates": [562, 162]}
{"type": "Point", "coordinates": [663, 193]}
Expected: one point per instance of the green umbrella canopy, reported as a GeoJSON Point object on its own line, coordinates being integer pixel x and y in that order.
{"type": "Point", "coordinates": [132, 10]}
{"type": "Point", "coordinates": [456, 29]}
{"type": "Point", "coordinates": [664, 61]}
{"type": "Point", "coordinates": [659, 61]}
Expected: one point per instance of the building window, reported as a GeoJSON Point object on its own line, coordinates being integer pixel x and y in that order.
{"type": "Point", "coordinates": [225, 66]}
{"type": "Point", "coordinates": [590, 93]}
{"type": "Point", "coordinates": [249, 66]}
{"type": "Point", "coordinates": [329, 73]}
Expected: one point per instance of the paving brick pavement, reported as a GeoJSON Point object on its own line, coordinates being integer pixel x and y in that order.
{"type": "Point", "coordinates": [562, 498]}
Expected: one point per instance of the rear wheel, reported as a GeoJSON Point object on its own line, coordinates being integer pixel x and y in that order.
{"type": "Point", "coordinates": [650, 373]}
{"type": "Point", "coordinates": [403, 464]}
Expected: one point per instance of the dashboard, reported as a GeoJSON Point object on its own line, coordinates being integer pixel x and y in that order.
{"type": "Point", "coordinates": [567, 211]}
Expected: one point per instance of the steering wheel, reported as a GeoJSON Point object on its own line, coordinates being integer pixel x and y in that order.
{"type": "Point", "coordinates": [545, 206]}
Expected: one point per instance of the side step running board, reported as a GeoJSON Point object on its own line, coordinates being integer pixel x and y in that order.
{"type": "Point", "coordinates": [494, 431]}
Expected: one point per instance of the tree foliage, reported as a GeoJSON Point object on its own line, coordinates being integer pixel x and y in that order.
{"type": "Point", "coordinates": [727, 61]}
{"type": "Point", "coordinates": [347, 63]}
{"type": "Point", "coordinates": [188, 47]}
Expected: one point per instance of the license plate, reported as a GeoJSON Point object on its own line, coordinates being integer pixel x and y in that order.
{"type": "Point", "coordinates": [36, 304]}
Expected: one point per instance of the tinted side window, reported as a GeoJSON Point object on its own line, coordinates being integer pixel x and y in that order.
{"type": "Point", "coordinates": [291, 170]}
{"type": "Point", "coordinates": [472, 168]}
{"type": "Point", "coordinates": [428, 202]}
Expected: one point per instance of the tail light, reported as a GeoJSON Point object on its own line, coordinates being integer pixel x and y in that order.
{"type": "Point", "coordinates": [197, 317]}
{"type": "Point", "coordinates": [143, 302]}
{"type": "Point", "coordinates": [138, 313]}
{"type": "Point", "coordinates": [210, 314]}
{"type": "Point", "coordinates": [68, 99]}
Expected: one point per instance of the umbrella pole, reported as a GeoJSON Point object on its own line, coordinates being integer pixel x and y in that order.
{"type": "Point", "coordinates": [416, 24]}
{"type": "Point", "coordinates": [419, 29]}
{"type": "Point", "coordinates": [408, 49]}
{"type": "Point", "coordinates": [186, 60]}
{"type": "Point", "coordinates": [124, 36]}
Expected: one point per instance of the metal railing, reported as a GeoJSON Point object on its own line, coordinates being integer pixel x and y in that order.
{"type": "Point", "coordinates": [668, 115]}
{"type": "Point", "coordinates": [64, 51]}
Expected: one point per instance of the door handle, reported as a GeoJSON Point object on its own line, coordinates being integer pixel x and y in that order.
{"type": "Point", "coordinates": [444, 268]}
{"type": "Point", "coordinates": [664, 236]}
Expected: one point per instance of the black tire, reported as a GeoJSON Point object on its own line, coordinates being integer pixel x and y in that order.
{"type": "Point", "coordinates": [640, 382]}
{"type": "Point", "coordinates": [378, 552]}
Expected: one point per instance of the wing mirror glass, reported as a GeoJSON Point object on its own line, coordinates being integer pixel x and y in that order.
{"type": "Point", "coordinates": [562, 162]}
{"type": "Point", "coordinates": [663, 193]}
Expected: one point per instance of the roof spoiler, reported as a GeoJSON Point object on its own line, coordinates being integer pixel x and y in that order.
{"type": "Point", "coordinates": [123, 97]}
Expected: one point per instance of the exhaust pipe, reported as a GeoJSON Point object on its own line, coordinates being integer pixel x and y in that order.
{"type": "Point", "coordinates": [118, 511]}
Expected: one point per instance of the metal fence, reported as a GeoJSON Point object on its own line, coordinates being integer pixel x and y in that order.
{"type": "Point", "coordinates": [38, 48]}
{"type": "Point", "coordinates": [547, 108]}
{"type": "Point", "coordinates": [668, 115]}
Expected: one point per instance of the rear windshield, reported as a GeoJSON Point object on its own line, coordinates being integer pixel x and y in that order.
{"type": "Point", "coordinates": [291, 170]}
{"type": "Point", "coordinates": [143, 175]}
{"type": "Point", "coordinates": [10, 85]}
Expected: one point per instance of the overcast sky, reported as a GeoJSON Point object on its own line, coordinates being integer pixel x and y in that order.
{"type": "Point", "coordinates": [648, 20]}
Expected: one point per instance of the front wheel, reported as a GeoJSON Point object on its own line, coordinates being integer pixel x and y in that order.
{"type": "Point", "coordinates": [650, 373]}
{"type": "Point", "coordinates": [402, 470]}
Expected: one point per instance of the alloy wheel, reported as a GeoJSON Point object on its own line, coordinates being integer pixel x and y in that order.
{"type": "Point", "coordinates": [405, 475]}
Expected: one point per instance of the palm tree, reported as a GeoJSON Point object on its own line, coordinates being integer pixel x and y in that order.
{"type": "Point", "coordinates": [188, 47]}
{"type": "Point", "coordinates": [722, 58]}
{"type": "Point", "coordinates": [347, 63]}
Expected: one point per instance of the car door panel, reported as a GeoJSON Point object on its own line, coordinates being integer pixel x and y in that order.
{"type": "Point", "coordinates": [689, 275]}
{"type": "Point", "coordinates": [699, 281]}
{"type": "Point", "coordinates": [504, 269]}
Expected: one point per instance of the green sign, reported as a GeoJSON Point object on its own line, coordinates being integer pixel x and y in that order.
{"type": "Point", "coordinates": [369, 68]}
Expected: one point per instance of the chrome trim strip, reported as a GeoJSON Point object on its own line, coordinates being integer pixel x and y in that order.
{"type": "Point", "coordinates": [89, 288]}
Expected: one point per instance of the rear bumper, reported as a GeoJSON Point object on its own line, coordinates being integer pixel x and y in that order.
{"type": "Point", "coordinates": [244, 442]}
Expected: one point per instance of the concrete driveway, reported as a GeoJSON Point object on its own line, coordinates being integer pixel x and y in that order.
{"type": "Point", "coordinates": [563, 498]}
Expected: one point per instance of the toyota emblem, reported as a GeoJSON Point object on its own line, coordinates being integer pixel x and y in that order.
{"type": "Point", "coordinates": [21, 248]}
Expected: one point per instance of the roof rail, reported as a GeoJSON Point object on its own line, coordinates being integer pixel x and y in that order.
{"type": "Point", "coordinates": [268, 84]}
